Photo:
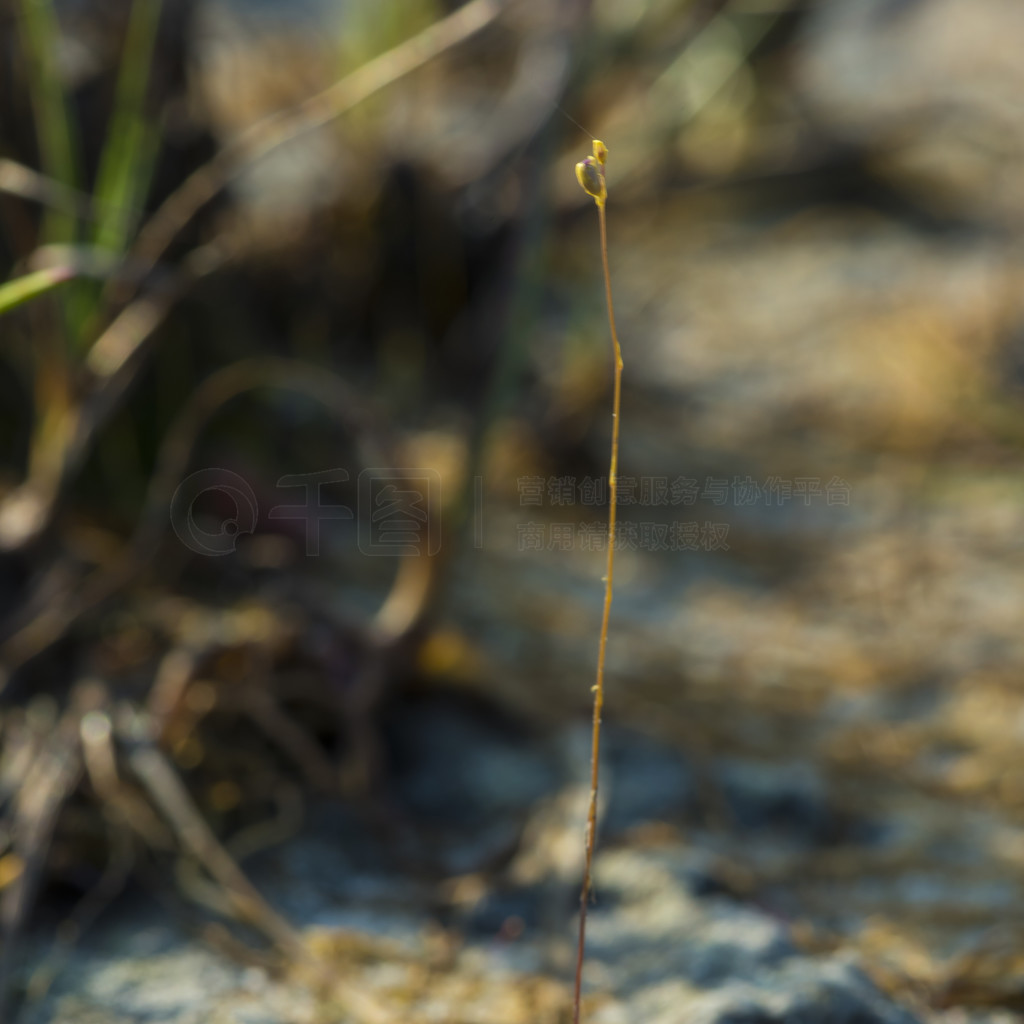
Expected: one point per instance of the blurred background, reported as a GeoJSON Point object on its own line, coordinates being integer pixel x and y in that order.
{"type": "Point", "coordinates": [305, 385]}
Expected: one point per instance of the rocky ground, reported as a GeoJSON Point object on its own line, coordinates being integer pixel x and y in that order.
{"type": "Point", "coordinates": [813, 802]}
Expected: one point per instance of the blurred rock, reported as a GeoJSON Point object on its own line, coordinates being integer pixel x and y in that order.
{"type": "Point", "coordinates": [672, 957]}
{"type": "Point", "coordinates": [932, 88]}
{"type": "Point", "coordinates": [646, 780]}
{"type": "Point", "coordinates": [786, 798]}
{"type": "Point", "coordinates": [458, 767]}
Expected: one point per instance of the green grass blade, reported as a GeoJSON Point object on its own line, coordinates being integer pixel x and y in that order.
{"type": "Point", "coordinates": [129, 151]}
{"type": "Point", "coordinates": [40, 36]}
{"type": "Point", "coordinates": [23, 289]}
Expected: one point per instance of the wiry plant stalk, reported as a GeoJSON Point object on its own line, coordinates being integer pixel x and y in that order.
{"type": "Point", "coordinates": [590, 172]}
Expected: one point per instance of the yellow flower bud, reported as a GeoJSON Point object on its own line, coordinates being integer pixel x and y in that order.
{"type": "Point", "coordinates": [591, 179]}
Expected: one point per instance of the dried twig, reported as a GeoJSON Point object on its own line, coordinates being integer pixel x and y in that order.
{"type": "Point", "coordinates": [46, 621]}
{"type": "Point", "coordinates": [275, 129]}
{"type": "Point", "coordinates": [18, 180]}
{"type": "Point", "coordinates": [48, 783]}
{"type": "Point", "coordinates": [114, 362]}
{"type": "Point", "coordinates": [110, 885]}
{"type": "Point", "coordinates": [168, 793]}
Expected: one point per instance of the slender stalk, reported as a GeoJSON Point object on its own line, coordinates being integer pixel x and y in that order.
{"type": "Point", "coordinates": [590, 173]}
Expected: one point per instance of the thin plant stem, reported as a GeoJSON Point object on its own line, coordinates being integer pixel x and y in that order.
{"type": "Point", "coordinates": [590, 173]}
